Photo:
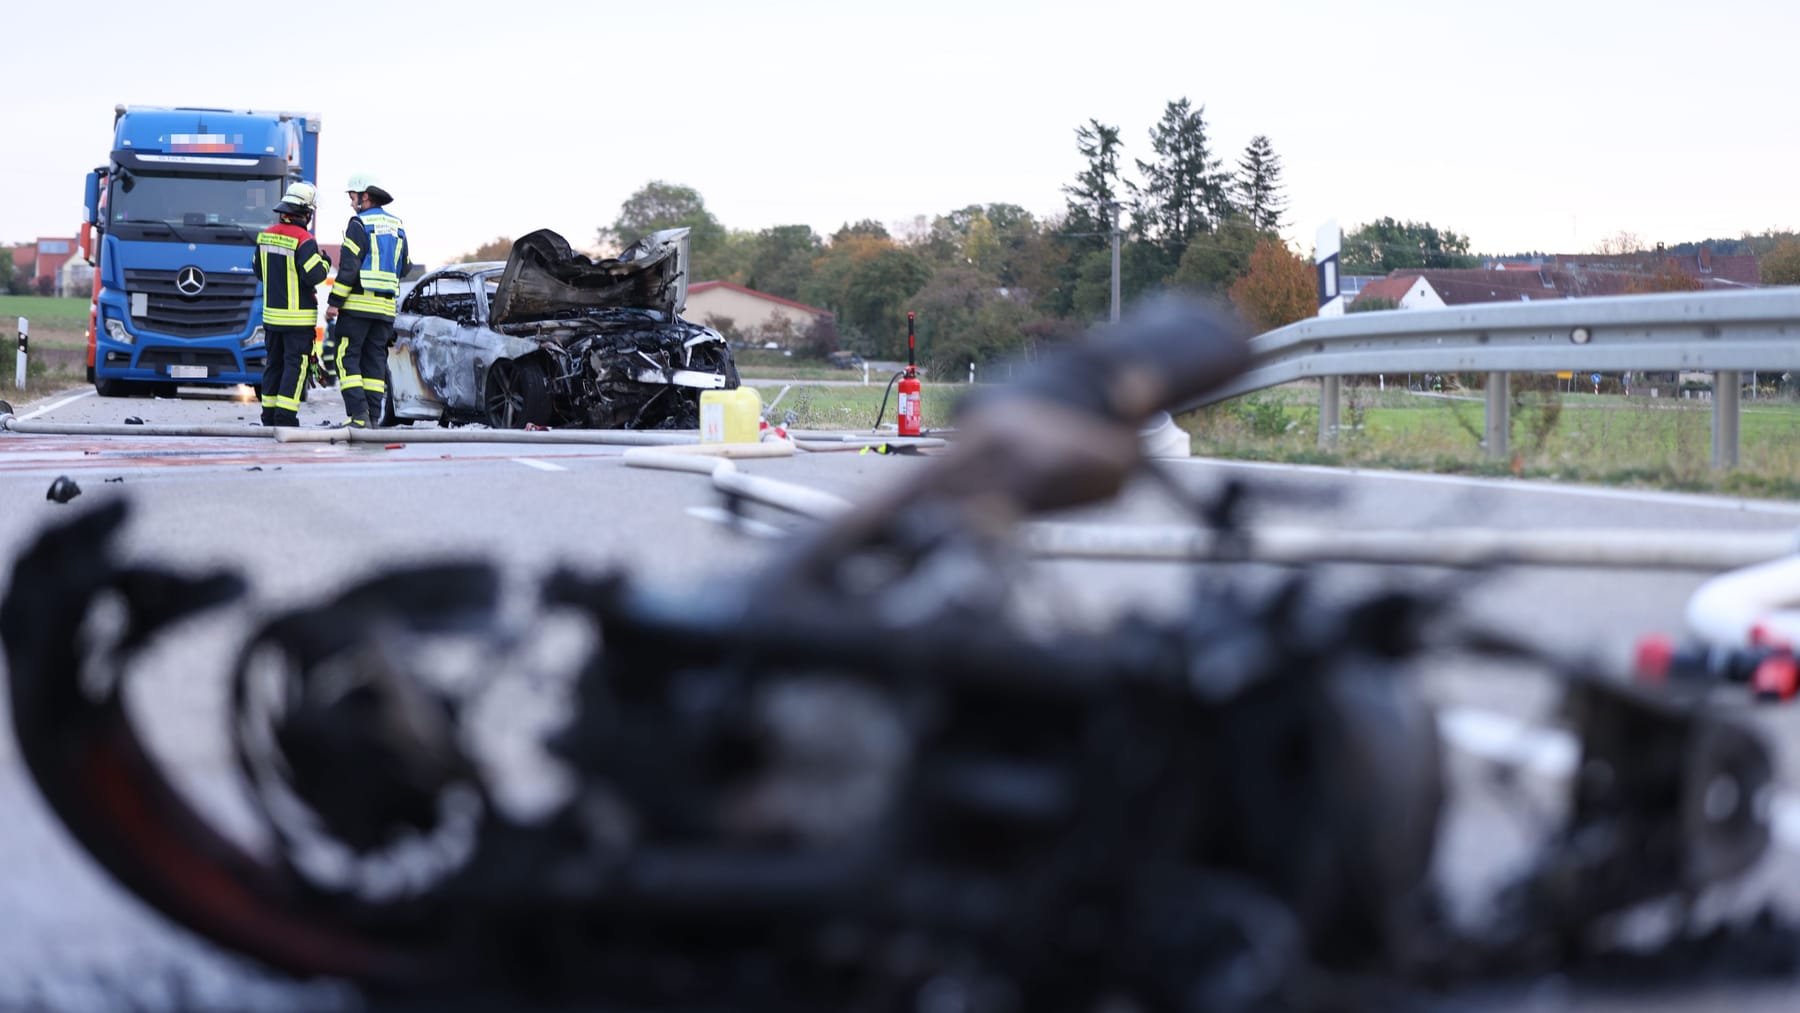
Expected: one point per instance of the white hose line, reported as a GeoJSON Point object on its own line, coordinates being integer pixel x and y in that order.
{"type": "Point", "coordinates": [612, 437]}
{"type": "Point", "coordinates": [1728, 608]}
{"type": "Point", "coordinates": [1644, 549]}
{"type": "Point", "coordinates": [17, 425]}
{"type": "Point", "coordinates": [767, 448]}
{"type": "Point", "coordinates": [1683, 550]}
{"type": "Point", "coordinates": [863, 436]}
{"type": "Point", "coordinates": [789, 496]}
{"type": "Point", "coordinates": [845, 446]}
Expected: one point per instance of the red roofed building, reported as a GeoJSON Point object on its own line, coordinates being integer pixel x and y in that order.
{"type": "Point", "coordinates": [51, 252]}
{"type": "Point", "coordinates": [750, 315]}
{"type": "Point", "coordinates": [38, 264]}
{"type": "Point", "coordinates": [1734, 270]}
{"type": "Point", "coordinates": [1407, 292]}
{"type": "Point", "coordinates": [1430, 288]}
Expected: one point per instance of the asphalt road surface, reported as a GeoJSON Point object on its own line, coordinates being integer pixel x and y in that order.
{"type": "Point", "coordinates": [300, 521]}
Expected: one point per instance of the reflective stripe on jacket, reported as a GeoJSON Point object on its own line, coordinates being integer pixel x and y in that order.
{"type": "Point", "coordinates": [290, 266]}
{"type": "Point", "coordinates": [374, 260]}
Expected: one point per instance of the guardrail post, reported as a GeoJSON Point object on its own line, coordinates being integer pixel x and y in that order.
{"type": "Point", "coordinates": [1328, 409]}
{"type": "Point", "coordinates": [1725, 418]}
{"type": "Point", "coordinates": [1499, 413]}
{"type": "Point", "coordinates": [24, 340]}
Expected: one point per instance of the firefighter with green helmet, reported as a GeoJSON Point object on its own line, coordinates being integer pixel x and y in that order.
{"type": "Point", "coordinates": [290, 267]}
{"type": "Point", "coordinates": [374, 260]}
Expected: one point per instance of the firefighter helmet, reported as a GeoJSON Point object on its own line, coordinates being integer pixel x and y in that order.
{"type": "Point", "coordinates": [366, 182]}
{"type": "Point", "coordinates": [299, 201]}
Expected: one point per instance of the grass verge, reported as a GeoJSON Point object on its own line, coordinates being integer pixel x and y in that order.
{"type": "Point", "coordinates": [43, 311]}
{"type": "Point", "coordinates": [41, 381]}
{"type": "Point", "coordinates": [854, 408]}
{"type": "Point", "coordinates": [1607, 440]}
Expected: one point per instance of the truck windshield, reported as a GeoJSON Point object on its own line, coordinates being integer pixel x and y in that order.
{"type": "Point", "coordinates": [215, 208]}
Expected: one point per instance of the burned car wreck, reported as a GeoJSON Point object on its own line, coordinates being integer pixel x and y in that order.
{"type": "Point", "coordinates": [554, 338]}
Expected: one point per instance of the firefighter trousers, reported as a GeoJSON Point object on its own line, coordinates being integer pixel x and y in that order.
{"type": "Point", "coordinates": [284, 374]}
{"type": "Point", "coordinates": [362, 345]}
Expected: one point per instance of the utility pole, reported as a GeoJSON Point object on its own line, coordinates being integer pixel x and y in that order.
{"type": "Point", "coordinates": [1113, 207]}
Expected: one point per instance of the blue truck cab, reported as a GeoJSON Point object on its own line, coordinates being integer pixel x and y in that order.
{"type": "Point", "coordinates": [171, 227]}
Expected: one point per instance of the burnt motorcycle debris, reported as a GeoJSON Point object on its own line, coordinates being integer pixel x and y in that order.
{"type": "Point", "coordinates": [786, 795]}
{"type": "Point", "coordinates": [554, 338]}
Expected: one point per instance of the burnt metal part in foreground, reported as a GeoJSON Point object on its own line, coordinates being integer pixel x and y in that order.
{"type": "Point", "coordinates": [791, 796]}
{"type": "Point", "coordinates": [777, 815]}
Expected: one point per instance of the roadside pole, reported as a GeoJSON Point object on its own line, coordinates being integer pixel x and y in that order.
{"type": "Point", "coordinates": [1331, 304]}
{"type": "Point", "coordinates": [24, 339]}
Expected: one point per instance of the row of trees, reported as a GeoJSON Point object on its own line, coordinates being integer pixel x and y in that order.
{"type": "Point", "coordinates": [990, 281]}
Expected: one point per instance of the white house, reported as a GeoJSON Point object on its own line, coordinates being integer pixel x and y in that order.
{"type": "Point", "coordinates": [752, 315]}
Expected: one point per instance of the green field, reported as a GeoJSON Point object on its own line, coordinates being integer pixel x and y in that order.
{"type": "Point", "coordinates": [1662, 443]}
{"type": "Point", "coordinates": [49, 312]}
{"type": "Point", "coordinates": [55, 323]}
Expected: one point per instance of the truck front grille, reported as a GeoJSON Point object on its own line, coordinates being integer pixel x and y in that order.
{"type": "Point", "coordinates": [222, 307]}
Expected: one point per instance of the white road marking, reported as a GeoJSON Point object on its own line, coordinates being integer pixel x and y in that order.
{"type": "Point", "coordinates": [47, 409]}
{"type": "Point", "coordinates": [744, 525]}
{"type": "Point", "coordinates": [1505, 484]}
{"type": "Point", "coordinates": [532, 462]}
{"type": "Point", "coordinates": [1553, 752]}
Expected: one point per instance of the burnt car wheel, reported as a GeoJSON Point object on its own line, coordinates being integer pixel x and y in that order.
{"type": "Point", "coordinates": [516, 394]}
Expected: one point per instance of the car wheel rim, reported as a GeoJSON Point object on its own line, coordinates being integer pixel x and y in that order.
{"type": "Point", "coordinates": [506, 402]}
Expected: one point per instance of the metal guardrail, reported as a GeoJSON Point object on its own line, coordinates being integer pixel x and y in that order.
{"type": "Point", "coordinates": [1722, 332]}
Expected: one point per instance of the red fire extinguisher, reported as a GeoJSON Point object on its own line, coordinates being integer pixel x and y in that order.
{"type": "Point", "coordinates": [912, 413]}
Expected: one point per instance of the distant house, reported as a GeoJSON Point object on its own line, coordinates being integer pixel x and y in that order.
{"type": "Point", "coordinates": [750, 315]}
{"type": "Point", "coordinates": [1351, 285]}
{"type": "Point", "coordinates": [1562, 277]}
{"type": "Point", "coordinates": [76, 278]}
{"type": "Point", "coordinates": [52, 253]}
{"type": "Point", "coordinates": [1732, 271]}
{"type": "Point", "coordinates": [1407, 292]}
{"type": "Point", "coordinates": [25, 262]}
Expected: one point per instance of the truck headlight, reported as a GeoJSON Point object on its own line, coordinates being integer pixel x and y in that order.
{"type": "Point", "coordinates": [255, 338]}
{"type": "Point", "coordinates": [115, 329]}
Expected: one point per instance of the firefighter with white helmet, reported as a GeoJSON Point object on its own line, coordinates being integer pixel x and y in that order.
{"type": "Point", "coordinates": [290, 267]}
{"type": "Point", "coordinates": [375, 258]}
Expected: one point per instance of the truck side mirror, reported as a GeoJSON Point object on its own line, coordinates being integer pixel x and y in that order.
{"type": "Point", "coordinates": [91, 197]}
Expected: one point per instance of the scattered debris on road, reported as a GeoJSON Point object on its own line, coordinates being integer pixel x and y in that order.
{"type": "Point", "coordinates": [63, 489]}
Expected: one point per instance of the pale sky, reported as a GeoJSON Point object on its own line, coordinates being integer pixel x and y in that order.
{"type": "Point", "coordinates": [1521, 125]}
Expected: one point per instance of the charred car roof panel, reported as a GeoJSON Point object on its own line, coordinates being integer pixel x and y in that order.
{"type": "Point", "coordinates": [546, 279]}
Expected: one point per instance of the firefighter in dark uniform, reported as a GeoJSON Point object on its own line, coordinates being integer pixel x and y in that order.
{"type": "Point", "coordinates": [362, 298]}
{"type": "Point", "coordinates": [289, 266]}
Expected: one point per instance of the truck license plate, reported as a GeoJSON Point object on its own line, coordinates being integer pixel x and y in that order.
{"type": "Point", "coordinates": [188, 372]}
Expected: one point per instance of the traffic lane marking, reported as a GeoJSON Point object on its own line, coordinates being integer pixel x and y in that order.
{"type": "Point", "coordinates": [531, 462]}
{"type": "Point", "coordinates": [47, 409]}
{"type": "Point", "coordinates": [36, 453]}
